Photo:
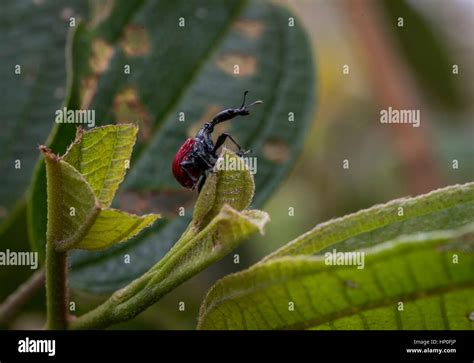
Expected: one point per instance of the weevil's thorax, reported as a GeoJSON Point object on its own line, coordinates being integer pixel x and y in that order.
{"type": "Point", "coordinates": [202, 151]}
{"type": "Point", "coordinates": [206, 131]}
{"type": "Point", "coordinates": [204, 139]}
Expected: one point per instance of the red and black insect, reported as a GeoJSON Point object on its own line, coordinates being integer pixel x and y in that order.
{"type": "Point", "coordinates": [198, 155]}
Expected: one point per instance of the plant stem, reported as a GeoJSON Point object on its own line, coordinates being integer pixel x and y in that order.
{"type": "Point", "coordinates": [191, 254]}
{"type": "Point", "coordinates": [9, 308]}
{"type": "Point", "coordinates": [56, 288]}
{"type": "Point", "coordinates": [56, 261]}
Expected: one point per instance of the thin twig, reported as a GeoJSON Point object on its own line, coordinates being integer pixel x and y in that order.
{"type": "Point", "coordinates": [10, 307]}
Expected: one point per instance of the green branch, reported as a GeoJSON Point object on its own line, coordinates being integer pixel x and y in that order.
{"type": "Point", "coordinates": [10, 307]}
{"type": "Point", "coordinates": [191, 254]}
{"type": "Point", "coordinates": [56, 262]}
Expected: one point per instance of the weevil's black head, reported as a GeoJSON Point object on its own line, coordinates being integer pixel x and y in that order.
{"type": "Point", "coordinates": [230, 113]}
{"type": "Point", "coordinates": [242, 111]}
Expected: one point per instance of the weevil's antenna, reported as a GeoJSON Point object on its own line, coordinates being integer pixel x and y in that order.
{"type": "Point", "coordinates": [243, 102]}
{"type": "Point", "coordinates": [253, 103]}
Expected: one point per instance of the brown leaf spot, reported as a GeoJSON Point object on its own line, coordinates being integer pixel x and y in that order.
{"type": "Point", "coordinates": [276, 150]}
{"type": "Point", "coordinates": [3, 212]}
{"type": "Point", "coordinates": [128, 108]}
{"type": "Point", "coordinates": [135, 41]}
{"type": "Point", "coordinates": [101, 54]}
{"type": "Point", "coordinates": [88, 90]}
{"type": "Point", "coordinates": [250, 28]}
{"type": "Point", "coordinates": [237, 64]}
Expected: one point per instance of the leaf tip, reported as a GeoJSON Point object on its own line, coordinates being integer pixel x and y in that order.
{"type": "Point", "coordinates": [48, 153]}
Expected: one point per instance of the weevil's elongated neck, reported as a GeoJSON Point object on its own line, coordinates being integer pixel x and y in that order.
{"type": "Point", "coordinates": [205, 131]}
{"type": "Point", "coordinates": [226, 115]}
{"type": "Point", "coordinates": [208, 127]}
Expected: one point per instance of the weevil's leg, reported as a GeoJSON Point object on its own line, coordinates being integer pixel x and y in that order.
{"type": "Point", "coordinates": [220, 141]}
{"type": "Point", "coordinates": [209, 165]}
{"type": "Point", "coordinates": [185, 165]}
{"type": "Point", "coordinates": [201, 182]}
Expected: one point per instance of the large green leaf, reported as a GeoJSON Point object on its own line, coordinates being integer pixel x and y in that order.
{"type": "Point", "coordinates": [445, 208]}
{"type": "Point", "coordinates": [185, 69]}
{"type": "Point", "coordinates": [409, 246]}
{"type": "Point", "coordinates": [423, 281]}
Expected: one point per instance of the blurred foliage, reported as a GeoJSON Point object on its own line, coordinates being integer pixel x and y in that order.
{"type": "Point", "coordinates": [346, 125]}
{"type": "Point", "coordinates": [302, 292]}
{"type": "Point", "coordinates": [427, 52]}
{"type": "Point", "coordinates": [192, 65]}
{"type": "Point", "coordinates": [172, 70]}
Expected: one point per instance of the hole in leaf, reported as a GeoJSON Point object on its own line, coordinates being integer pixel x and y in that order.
{"type": "Point", "coordinates": [88, 90]}
{"type": "Point", "coordinates": [135, 41]}
{"type": "Point", "coordinates": [101, 54]}
{"type": "Point", "coordinates": [250, 28]}
{"type": "Point", "coordinates": [127, 108]}
{"type": "Point", "coordinates": [276, 150]}
{"type": "Point", "coordinates": [237, 65]}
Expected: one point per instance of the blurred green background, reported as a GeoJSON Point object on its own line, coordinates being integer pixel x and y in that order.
{"type": "Point", "coordinates": [409, 66]}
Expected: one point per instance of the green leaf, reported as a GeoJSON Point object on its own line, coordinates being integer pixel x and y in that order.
{"type": "Point", "coordinates": [201, 245]}
{"type": "Point", "coordinates": [114, 226]}
{"type": "Point", "coordinates": [422, 281]}
{"type": "Point", "coordinates": [225, 186]}
{"type": "Point", "coordinates": [78, 216]}
{"type": "Point", "coordinates": [72, 206]}
{"type": "Point", "coordinates": [446, 208]}
{"type": "Point", "coordinates": [101, 156]}
{"type": "Point", "coordinates": [276, 66]}
{"type": "Point", "coordinates": [408, 245]}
